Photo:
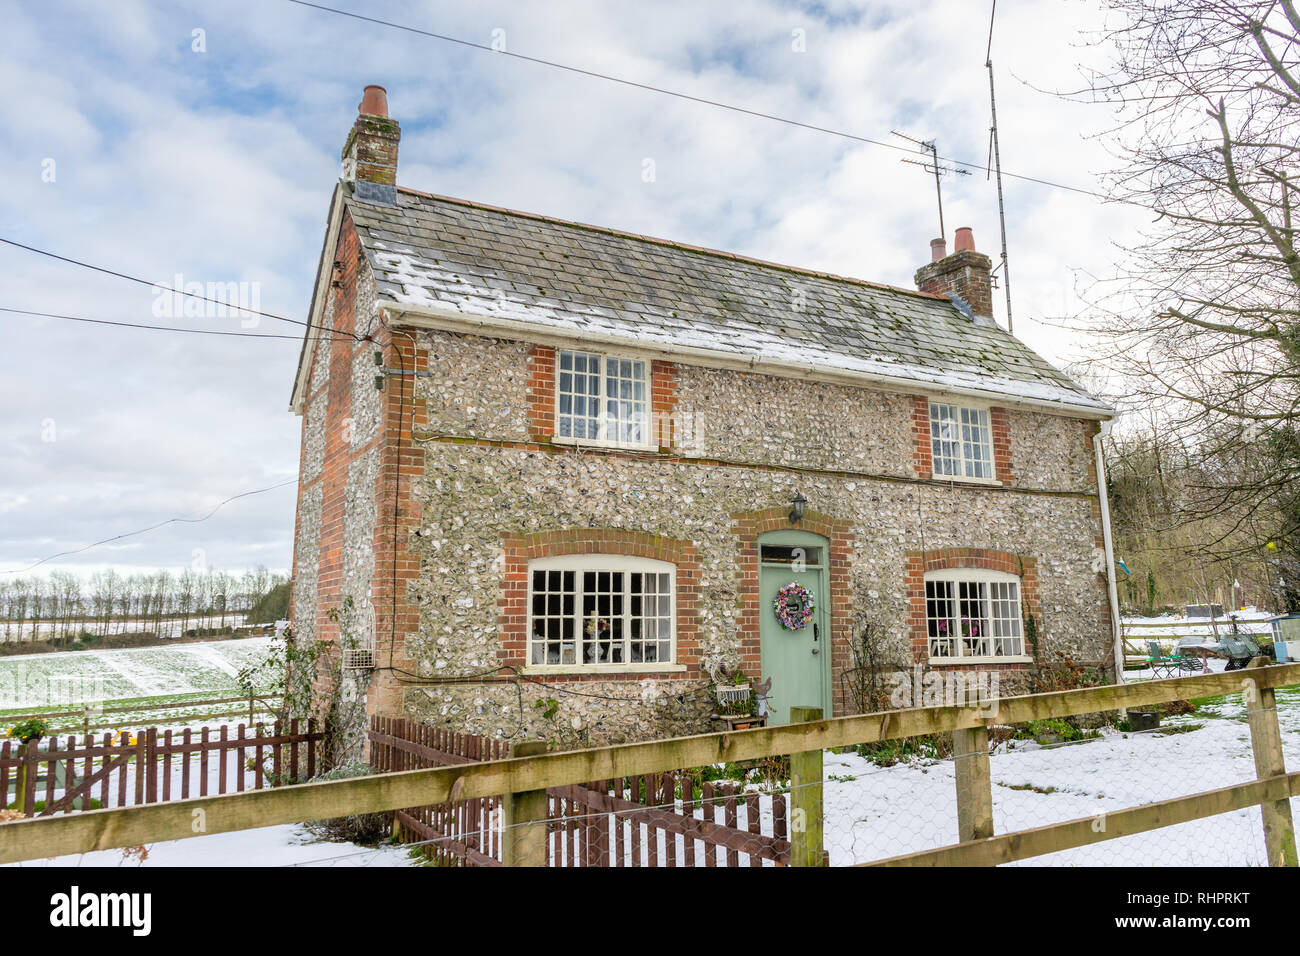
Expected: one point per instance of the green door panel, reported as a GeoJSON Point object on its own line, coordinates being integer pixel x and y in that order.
{"type": "Point", "coordinates": [798, 662]}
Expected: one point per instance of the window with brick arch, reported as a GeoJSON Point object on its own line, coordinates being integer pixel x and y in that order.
{"type": "Point", "coordinates": [961, 442]}
{"type": "Point", "coordinates": [601, 611]}
{"type": "Point", "coordinates": [972, 613]}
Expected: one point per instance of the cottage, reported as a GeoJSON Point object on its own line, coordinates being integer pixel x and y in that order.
{"type": "Point", "coordinates": [557, 478]}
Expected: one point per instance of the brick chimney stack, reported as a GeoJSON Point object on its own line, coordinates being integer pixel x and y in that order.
{"type": "Point", "coordinates": [370, 154]}
{"type": "Point", "coordinates": [965, 274]}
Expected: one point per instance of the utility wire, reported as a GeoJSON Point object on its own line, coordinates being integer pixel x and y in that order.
{"type": "Point", "coordinates": [192, 295]}
{"type": "Point", "coordinates": [689, 97]}
{"type": "Point", "coordinates": [131, 534]}
{"type": "Point", "coordinates": [152, 328]}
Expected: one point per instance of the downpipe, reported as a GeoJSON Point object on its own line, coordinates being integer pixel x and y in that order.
{"type": "Point", "coordinates": [1117, 630]}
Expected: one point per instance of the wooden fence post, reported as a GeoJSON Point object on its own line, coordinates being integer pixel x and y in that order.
{"type": "Point", "coordinates": [806, 821]}
{"type": "Point", "coordinates": [1266, 741]}
{"type": "Point", "coordinates": [26, 775]}
{"type": "Point", "coordinates": [970, 751]}
{"type": "Point", "coordinates": [523, 818]}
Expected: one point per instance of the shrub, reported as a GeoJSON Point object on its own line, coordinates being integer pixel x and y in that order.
{"type": "Point", "coordinates": [887, 753]}
{"type": "Point", "coordinates": [366, 829]}
{"type": "Point", "coordinates": [1055, 730]}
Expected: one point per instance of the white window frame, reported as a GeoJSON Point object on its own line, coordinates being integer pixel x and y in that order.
{"type": "Point", "coordinates": [579, 564]}
{"type": "Point", "coordinates": [604, 421]}
{"type": "Point", "coordinates": [980, 578]}
{"type": "Point", "coordinates": [965, 463]}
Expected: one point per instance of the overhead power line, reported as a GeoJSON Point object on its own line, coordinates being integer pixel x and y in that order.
{"type": "Point", "coordinates": [153, 527]}
{"type": "Point", "coordinates": [151, 328]}
{"type": "Point", "coordinates": [593, 74]}
{"type": "Point", "coordinates": [193, 295]}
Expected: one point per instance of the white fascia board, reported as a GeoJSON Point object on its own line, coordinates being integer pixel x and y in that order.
{"type": "Point", "coordinates": [324, 273]}
{"type": "Point", "coordinates": [448, 320]}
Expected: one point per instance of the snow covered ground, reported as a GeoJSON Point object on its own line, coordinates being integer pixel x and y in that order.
{"type": "Point", "coordinates": [270, 846]}
{"type": "Point", "coordinates": [68, 679]}
{"type": "Point", "coordinates": [873, 813]}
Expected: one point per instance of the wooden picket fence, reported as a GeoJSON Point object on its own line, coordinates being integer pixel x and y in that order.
{"type": "Point", "coordinates": [60, 775]}
{"type": "Point", "coordinates": [660, 819]}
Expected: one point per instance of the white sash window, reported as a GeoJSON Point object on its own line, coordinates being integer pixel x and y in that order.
{"type": "Point", "coordinates": [961, 443]}
{"type": "Point", "coordinates": [602, 399]}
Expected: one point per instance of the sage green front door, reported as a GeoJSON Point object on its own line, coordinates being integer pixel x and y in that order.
{"type": "Point", "coordinates": [798, 661]}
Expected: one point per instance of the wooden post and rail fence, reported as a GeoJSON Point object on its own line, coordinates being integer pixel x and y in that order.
{"type": "Point", "coordinates": [518, 780]}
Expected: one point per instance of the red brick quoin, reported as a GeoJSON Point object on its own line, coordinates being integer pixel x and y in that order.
{"type": "Point", "coordinates": [513, 604]}
{"type": "Point", "coordinates": [919, 562]}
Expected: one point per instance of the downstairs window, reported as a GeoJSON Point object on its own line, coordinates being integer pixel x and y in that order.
{"type": "Point", "coordinates": [973, 613]}
{"type": "Point", "coordinates": [601, 611]}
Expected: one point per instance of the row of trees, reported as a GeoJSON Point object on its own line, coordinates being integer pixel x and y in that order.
{"type": "Point", "coordinates": [62, 605]}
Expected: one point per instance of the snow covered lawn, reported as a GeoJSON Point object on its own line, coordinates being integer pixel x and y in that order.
{"type": "Point", "coordinates": [271, 846]}
{"type": "Point", "coordinates": [874, 812]}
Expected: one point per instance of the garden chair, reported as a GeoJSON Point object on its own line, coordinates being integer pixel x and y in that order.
{"type": "Point", "coordinates": [1161, 664]}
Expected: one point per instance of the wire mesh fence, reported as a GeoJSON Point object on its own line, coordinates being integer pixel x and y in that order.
{"type": "Point", "coordinates": [885, 800]}
{"type": "Point", "coordinates": [916, 787]}
{"type": "Point", "coordinates": [900, 796]}
{"type": "Point", "coordinates": [896, 797]}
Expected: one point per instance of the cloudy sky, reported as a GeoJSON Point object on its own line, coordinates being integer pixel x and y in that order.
{"type": "Point", "coordinates": [130, 141]}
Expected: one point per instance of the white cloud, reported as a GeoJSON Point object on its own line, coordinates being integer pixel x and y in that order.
{"type": "Point", "coordinates": [219, 166]}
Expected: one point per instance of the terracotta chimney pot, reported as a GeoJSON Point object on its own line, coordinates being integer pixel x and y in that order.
{"type": "Point", "coordinates": [938, 249]}
{"type": "Point", "coordinates": [374, 101]}
{"type": "Point", "coordinates": [965, 239]}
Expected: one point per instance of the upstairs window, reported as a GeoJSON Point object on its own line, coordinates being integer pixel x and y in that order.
{"type": "Point", "coordinates": [961, 444]}
{"type": "Point", "coordinates": [602, 399]}
{"type": "Point", "coordinates": [971, 613]}
{"type": "Point", "coordinates": [600, 611]}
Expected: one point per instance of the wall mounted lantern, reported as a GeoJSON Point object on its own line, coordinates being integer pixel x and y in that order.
{"type": "Point", "coordinates": [796, 511]}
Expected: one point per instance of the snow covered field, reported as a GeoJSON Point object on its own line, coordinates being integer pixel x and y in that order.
{"type": "Point", "coordinates": [31, 682]}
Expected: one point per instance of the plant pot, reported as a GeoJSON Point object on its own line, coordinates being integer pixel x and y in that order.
{"type": "Point", "coordinates": [741, 721]}
{"type": "Point", "coordinates": [1143, 719]}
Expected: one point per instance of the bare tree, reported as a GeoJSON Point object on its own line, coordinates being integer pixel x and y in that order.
{"type": "Point", "coordinates": [1202, 320]}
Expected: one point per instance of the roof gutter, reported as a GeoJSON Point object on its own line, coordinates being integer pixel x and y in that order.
{"type": "Point", "coordinates": [430, 317]}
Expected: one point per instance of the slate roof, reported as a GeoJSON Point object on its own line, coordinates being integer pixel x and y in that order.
{"type": "Point", "coordinates": [479, 260]}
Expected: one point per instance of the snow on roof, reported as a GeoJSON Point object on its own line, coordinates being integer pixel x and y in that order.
{"type": "Point", "coordinates": [482, 261]}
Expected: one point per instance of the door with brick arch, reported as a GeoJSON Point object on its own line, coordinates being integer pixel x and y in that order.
{"type": "Point", "coordinates": [798, 660]}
